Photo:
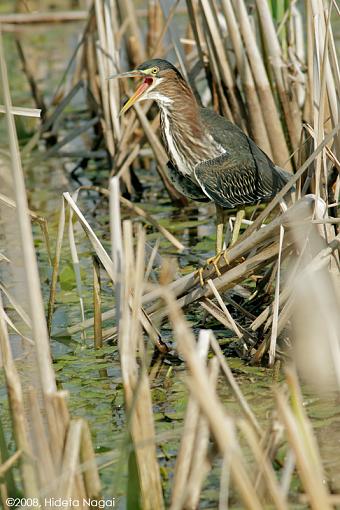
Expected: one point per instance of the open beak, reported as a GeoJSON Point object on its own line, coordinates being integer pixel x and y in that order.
{"type": "Point", "coordinates": [143, 87]}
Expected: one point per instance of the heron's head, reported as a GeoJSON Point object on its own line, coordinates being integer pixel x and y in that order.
{"type": "Point", "coordinates": [161, 81]}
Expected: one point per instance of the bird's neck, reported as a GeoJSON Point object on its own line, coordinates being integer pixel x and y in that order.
{"type": "Point", "coordinates": [186, 139]}
{"type": "Point", "coordinates": [183, 114]}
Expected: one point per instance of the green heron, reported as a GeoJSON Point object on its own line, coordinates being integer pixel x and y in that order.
{"type": "Point", "coordinates": [211, 159]}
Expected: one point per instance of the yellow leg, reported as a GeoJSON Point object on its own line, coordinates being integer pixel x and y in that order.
{"type": "Point", "coordinates": [200, 275]}
{"type": "Point", "coordinates": [220, 227]}
{"type": "Point", "coordinates": [238, 222]}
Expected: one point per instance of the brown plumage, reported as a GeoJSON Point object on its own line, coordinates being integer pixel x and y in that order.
{"type": "Point", "coordinates": [210, 157]}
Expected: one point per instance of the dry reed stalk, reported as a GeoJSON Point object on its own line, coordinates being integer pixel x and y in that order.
{"type": "Point", "coordinates": [88, 464]}
{"type": "Point", "coordinates": [58, 420]}
{"type": "Point", "coordinates": [223, 503]}
{"type": "Point", "coordinates": [30, 75]}
{"type": "Point", "coordinates": [68, 487]}
{"type": "Point", "coordinates": [15, 329]}
{"type": "Point", "coordinates": [296, 52]}
{"type": "Point", "coordinates": [96, 244]}
{"type": "Point", "coordinates": [201, 464]}
{"type": "Point", "coordinates": [35, 217]}
{"type": "Point", "coordinates": [116, 245]}
{"type": "Point", "coordinates": [216, 312]}
{"type": "Point", "coordinates": [225, 309]}
{"type": "Point", "coordinates": [76, 263]}
{"type": "Point", "coordinates": [130, 125]}
{"type": "Point", "coordinates": [109, 268]}
{"type": "Point", "coordinates": [158, 48]}
{"type": "Point", "coordinates": [33, 285]}
{"type": "Point", "coordinates": [108, 62]}
{"type": "Point", "coordinates": [155, 28]}
{"type": "Point", "coordinates": [186, 451]}
{"type": "Point", "coordinates": [97, 317]}
{"type": "Point", "coordinates": [193, 8]}
{"type": "Point", "coordinates": [288, 102]}
{"type": "Point", "coordinates": [229, 278]}
{"type": "Point", "coordinates": [135, 46]}
{"type": "Point", "coordinates": [213, 33]}
{"type": "Point", "coordinates": [112, 48]}
{"type": "Point", "coordinates": [219, 101]}
{"type": "Point", "coordinates": [276, 303]}
{"type": "Point", "coordinates": [270, 443]}
{"type": "Point", "coordinates": [90, 64]}
{"type": "Point", "coordinates": [244, 245]}
{"type": "Point", "coordinates": [257, 126]}
{"type": "Point", "coordinates": [16, 403]}
{"type": "Point", "coordinates": [248, 414]}
{"type": "Point", "coordinates": [16, 305]}
{"type": "Point", "coordinates": [201, 388]}
{"type": "Point", "coordinates": [319, 95]}
{"type": "Point", "coordinates": [22, 111]}
{"type": "Point", "coordinates": [270, 114]}
{"type": "Point", "coordinates": [265, 467]}
{"type": "Point", "coordinates": [130, 274]}
{"type": "Point", "coordinates": [275, 202]}
{"type": "Point", "coordinates": [56, 262]}
{"type": "Point", "coordinates": [48, 433]}
{"type": "Point", "coordinates": [43, 17]}
{"type": "Point", "coordinates": [301, 438]}
{"type": "Point", "coordinates": [323, 52]}
{"type": "Point", "coordinates": [44, 461]}
{"type": "Point", "coordinates": [9, 463]}
{"type": "Point", "coordinates": [188, 285]}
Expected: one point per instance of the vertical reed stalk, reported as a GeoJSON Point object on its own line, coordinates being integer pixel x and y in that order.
{"type": "Point", "coordinates": [98, 337]}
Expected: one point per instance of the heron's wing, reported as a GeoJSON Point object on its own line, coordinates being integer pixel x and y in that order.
{"type": "Point", "coordinates": [233, 180]}
{"type": "Point", "coordinates": [185, 185]}
{"type": "Point", "coordinates": [244, 174]}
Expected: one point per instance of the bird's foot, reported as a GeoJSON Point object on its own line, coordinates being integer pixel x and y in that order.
{"type": "Point", "coordinates": [214, 261]}
{"type": "Point", "coordinates": [199, 271]}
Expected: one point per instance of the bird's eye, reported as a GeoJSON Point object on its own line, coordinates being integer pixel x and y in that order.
{"type": "Point", "coordinates": [154, 70]}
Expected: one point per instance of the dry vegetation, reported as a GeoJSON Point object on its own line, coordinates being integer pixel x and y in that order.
{"type": "Point", "coordinates": [283, 89]}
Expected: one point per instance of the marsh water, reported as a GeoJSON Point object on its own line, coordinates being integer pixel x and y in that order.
{"type": "Point", "coordinates": [92, 377]}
